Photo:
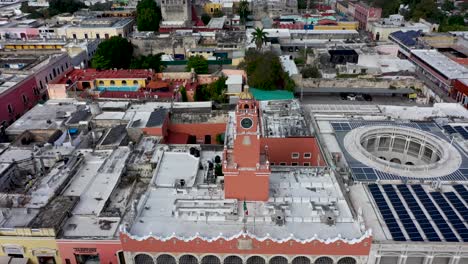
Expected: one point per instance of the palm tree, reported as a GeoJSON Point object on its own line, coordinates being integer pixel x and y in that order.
{"type": "Point", "coordinates": [259, 37]}
{"type": "Point", "coordinates": [243, 10]}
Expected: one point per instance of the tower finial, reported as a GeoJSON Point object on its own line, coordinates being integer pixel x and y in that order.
{"type": "Point", "coordinates": [246, 93]}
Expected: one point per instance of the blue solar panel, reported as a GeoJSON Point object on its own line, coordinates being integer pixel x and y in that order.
{"type": "Point", "coordinates": [461, 131]}
{"type": "Point", "coordinates": [418, 213]}
{"type": "Point", "coordinates": [458, 204]}
{"type": "Point", "coordinates": [449, 129]}
{"type": "Point", "coordinates": [462, 191]}
{"type": "Point", "coordinates": [400, 209]}
{"type": "Point", "coordinates": [434, 213]}
{"type": "Point", "coordinates": [451, 215]}
{"type": "Point", "coordinates": [386, 213]}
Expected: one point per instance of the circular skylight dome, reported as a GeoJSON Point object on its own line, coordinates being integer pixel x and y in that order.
{"type": "Point", "coordinates": [402, 151]}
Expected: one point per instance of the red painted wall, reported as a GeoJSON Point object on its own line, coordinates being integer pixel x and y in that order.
{"type": "Point", "coordinates": [14, 97]}
{"type": "Point", "coordinates": [157, 131]}
{"type": "Point", "coordinates": [199, 130]}
{"type": "Point", "coordinates": [247, 186]}
{"type": "Point", "coordinates": [461, 87]}
{"type": "Point", "coordinates": [281, 149]}
{"type": "Point", "coordinates": [107, 249]}
{"type": "Point", "coordinates": [230, 247]}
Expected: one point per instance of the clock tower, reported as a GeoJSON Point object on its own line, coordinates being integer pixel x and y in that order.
{"type": "Point", "coordinates": [245, 166]}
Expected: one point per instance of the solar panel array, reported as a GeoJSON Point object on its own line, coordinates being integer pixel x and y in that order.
{"type": "Point", "coordinates": [408, 38]}
{"type": "Point", "coordinates": [412, 214]}
{"type": "Point", "coordinates": [341, 126]}
{"type": "Point", "coordinates": [386, 213]}
{"type": "Point", "coordinates": [460, 130]}
{"type": "Point", "coordinates": [363, 173]}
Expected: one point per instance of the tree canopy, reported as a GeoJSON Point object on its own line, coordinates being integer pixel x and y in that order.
{"type": "Point", "coordinates": [148, 15]}
{"type": "Point", "coordinates": [55, 7]}
{"type": "Point", "coordinates": [264, 71]}
{"type": "Point", "coordinates": [214, 91]}
{"type": "Point", "coordinates": [426, 9]}
{"type": "Point", "coordinates": [205, 18]}
{"type": "Point", "coordinates": [218, 13]}
{"type": "Point", "coordinates": [115, 52]}
{"type": "Point", "coordinates": [198, 63]}
{"type": "Point", "coordinates": [243, 10]}
{"type": "Point", "coordinates": [148, 62]}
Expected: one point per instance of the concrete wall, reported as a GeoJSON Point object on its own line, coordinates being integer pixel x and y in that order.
{"type": "Point", "coordinates": [357, 83]}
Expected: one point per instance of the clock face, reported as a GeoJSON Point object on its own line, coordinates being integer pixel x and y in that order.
{"type": "Point", "coordinates": [246, 123]}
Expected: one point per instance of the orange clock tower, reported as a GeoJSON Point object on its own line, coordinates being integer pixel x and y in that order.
{"type": "Point", "coordinates": [245, 166]}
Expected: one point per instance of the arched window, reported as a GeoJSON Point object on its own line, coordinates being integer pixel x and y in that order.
{"type": "Point", "coordinates": [165, 259]}
{"type": "Point", "coordinates": [232, 260]}
{"type": "Point", "coordinates": [101, 82]}
{"type": "Point", "coordinates": [301, 260]}
{"type": "Point", "coordinates": [143, 259]}
{"type": "Point", "coordinates": [188, 259]}
{"type": "Point", "coordinates": [210, 260]}
{"type": "Point", "coordinates": [347, 260]}
{"type": "Point", "coordinates": [124, 82]}
{"type": "Point", "coordinates": [324, 260]}
{"type": "Point", "coordinates": [255, 260]}
{"type": "Point", "coordinates": [112, 82]}
{"type": "Point", "coordinates": [135, 82]}
{"type": "Point", "coordinates": [278, 260]}
{"type": "Point", "coordinates": [246, 106]}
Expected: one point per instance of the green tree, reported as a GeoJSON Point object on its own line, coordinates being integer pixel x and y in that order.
{"type": "Point", "coordinates": [259, 37]}
{"type": "Point", "coordinates": [115, 52]}
{"type": "Point", "coordinates": [101, 6]}
{"type": "Point", "coordinates": [198, 63]}
{"type": "Point", "coordinates": [214, 91]}
{"type": "Point", "coordinates": [148, 15]}
{"type": "Point", "coordinates": [218, 13]}
{"type": "Point", "coordinates": [448, 5]}
{"type": "Point", "coordinates": [311, 72]}
{"type": "Point", "coordinates": [243, 10]}
{"type": "Point", "coordinates": [64, 6]}
{"type": "Point", "coordinates": [100, 62]}
{"type": "Point", "coordinates": [205, 18]}
{"type": "Point", "coordinates": [264, 71]}
{"type": "Point", "coordinates": [148, 62]}
{"type": "Point", "coordinates": [183, 94]}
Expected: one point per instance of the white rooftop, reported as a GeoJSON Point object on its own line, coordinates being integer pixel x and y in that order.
{"type": "Point", "coordinates": [176, 166]}
{"type": "Point", "coordinates": [442, 63]}
{"type": "Point", "coordinates": [303, 197]}
{"type": "Point", "coordinates": [50, 115]}
{"type": "Point", "coordinates": [288, 65]}
{"type": "Point", "coordinates": [234, 79]}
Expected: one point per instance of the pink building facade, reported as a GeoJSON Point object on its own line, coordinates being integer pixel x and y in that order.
{"type": "Point", "coordinates": [82, 251]}
{"type": "Point", "coordinates": [365, 14]}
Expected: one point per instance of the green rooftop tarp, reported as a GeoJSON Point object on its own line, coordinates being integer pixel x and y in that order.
{"type": "Point", "coordinates": [263, 95]}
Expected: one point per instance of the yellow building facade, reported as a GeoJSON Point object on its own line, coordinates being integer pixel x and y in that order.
{"type": "Point", "coordinates": [39, 246]}
{"type": "Point", "coordinates": [34, 46]}
{"type": "Point", "coordinates": [121, 82]}
{"type": "Point", "coordinates": [210, 8]}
